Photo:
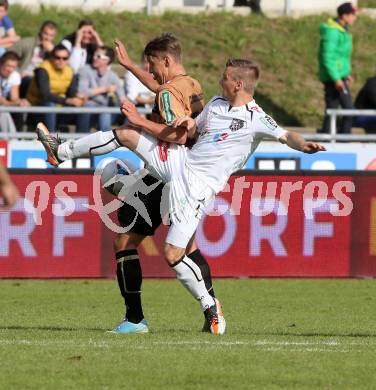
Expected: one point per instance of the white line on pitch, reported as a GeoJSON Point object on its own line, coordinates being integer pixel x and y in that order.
{"type": "Point", "coordinates": [273, 345]}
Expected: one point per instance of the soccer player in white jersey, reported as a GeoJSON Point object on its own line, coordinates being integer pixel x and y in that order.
{"type": "Point", "coordinates": [227, 132]}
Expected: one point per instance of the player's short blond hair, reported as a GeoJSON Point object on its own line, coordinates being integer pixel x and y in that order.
{"type": "Point", "coordinates": [165, 44]}
{"type": "Point", "coordinates": [246, 71]}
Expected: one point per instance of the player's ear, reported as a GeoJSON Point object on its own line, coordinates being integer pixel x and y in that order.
{"type": "Point", "coordinates": [239, 85]}
{"type": "Point", "coordinates": [167, 61]}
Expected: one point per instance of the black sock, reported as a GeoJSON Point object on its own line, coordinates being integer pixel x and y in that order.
{"type": "Point", "coordinates": [200, 260]}
{"type": "Point", "coordinates": [129, 278]}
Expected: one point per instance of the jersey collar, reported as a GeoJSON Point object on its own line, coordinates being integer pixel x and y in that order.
{"type": "Point", "coordinates": [247, 106]}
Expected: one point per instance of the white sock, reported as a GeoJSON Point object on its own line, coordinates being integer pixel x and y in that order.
{"type": "Point", "coordinates": [101, 142]}
{"type": "Point", "coordinates": [190, 276]}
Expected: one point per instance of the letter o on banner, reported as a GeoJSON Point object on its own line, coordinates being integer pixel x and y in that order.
{"type": "Point", "coordinates": [221, 246]}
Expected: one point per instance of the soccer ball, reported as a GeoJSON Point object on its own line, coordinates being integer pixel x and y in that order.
{"type": "Point", "coordinates": [112, 173]}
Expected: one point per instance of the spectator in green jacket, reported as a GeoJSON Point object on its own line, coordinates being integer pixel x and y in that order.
{"type": "Point", "coordinates": [335, 63]}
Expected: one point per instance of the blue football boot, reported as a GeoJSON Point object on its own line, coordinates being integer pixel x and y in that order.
{"type": "Point", "coordinates": [130, 327]}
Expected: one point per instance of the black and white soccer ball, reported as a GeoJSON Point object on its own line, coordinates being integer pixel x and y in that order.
{"type": "Point", "coordinates": [113, 172]}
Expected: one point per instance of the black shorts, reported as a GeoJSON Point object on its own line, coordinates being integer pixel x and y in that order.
{"type": "Point", "coordinates": [152, 201]}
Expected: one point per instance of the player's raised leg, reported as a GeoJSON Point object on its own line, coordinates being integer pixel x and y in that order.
{"type": "Point", "coordinates": [100, 142]}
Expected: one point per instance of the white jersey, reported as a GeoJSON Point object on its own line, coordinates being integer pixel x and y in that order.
{"type": "Point", "coordinates": [227, 137]}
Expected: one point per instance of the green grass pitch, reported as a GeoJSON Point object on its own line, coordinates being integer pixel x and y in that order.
{"type": "Point", "coordinates": [293, 334]}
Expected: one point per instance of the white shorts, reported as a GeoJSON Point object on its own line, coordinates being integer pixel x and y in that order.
{"type": "Point", "coordinates": [187, 196]}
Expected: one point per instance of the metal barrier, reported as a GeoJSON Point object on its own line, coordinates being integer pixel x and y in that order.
{"type": "Point", "coordinates": [334, 113]}
{"type": "Point", "coordinates": [67, 110]}
{"type": "Point", "coordinates": [332, 137]}
{"type": "Point", "coordinates": [58, 110]}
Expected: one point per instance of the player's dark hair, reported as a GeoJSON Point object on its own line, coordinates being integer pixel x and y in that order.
{"type": "Point", "coordinates": [59, 47]}
{"type": "Point", "coordinates": [165, 44]}
{"type": "Point", "coordinates": [9, 56]}
{"type": "Point", "coordinates": [245, 70]}
{"type": "Point", "coordinates": [4, 3]}
{"type": "Point", "coordinates": [47, 24]}
{"type": "Point", "coordinates": [109, 52]}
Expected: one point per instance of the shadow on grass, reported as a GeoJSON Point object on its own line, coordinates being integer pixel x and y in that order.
{"type": "Point", "coordinates": [171, 331]}
{"type": "Point", "coordinates": [314, 334]}
{"type": "Point", "coordinates": [52, 328]}
{"type": "Point", "coordinates": [279, 114]}
{"type": "Point", "coordinates": [166, 331]}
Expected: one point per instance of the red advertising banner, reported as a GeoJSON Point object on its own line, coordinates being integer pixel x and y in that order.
{"type": "Point", "coordinates": [363, 227]}
{"type": "Point", "coordinates": [63, 243]}
{"type": "Point", "coordinates": [278, 235]}
{"type": "Point", "coordinates": [259, 226]}
{"type": "Point", "coordinates": [259, 231]}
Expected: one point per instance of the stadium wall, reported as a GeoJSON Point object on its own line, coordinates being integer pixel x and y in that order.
{"type": "Point", "coordinates": [270, 7]}
{"type": "Point", "coordinates": [262, 225]}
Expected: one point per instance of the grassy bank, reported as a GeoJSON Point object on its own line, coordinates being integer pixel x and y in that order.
{"type": "Point", "coordinates": [285, 48]}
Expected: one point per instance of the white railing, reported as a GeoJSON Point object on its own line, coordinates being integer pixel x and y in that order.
{"type": "Point", "coordinates": [335, 112]}
{"type": "Point", "coordinates": [332, 137]}
{"type": "Point", "coordinates": [67, 110]}
{"type": "Point", "coordinates": [58, 110]}
{"type": "Point", "coordinates": [307, 136]}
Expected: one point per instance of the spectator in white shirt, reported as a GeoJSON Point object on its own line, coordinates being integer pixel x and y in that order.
{"type": "Point", "coordinates": [10, 81]}
{"type": "Point", "coordinates": [82, 44]}
{"type": "Point", "coordinates": [98, 84]}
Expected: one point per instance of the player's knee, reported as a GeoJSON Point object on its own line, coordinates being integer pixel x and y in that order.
{"type": "Point", "coordinates": [121, 135]}
{"type": "Point", "coordinates": [173, 253]}
{"type": "Point", "coordinates": [125, 241]}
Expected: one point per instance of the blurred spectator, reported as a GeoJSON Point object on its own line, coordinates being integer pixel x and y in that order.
{"type": "Point", "coordinates": [253, 4]}
{"type": "Point", "coordinates": [82, 44]}
{"type": "Point", "coordinates": [10, 81]}
{"type": "Point", "coordinates": [137, 92]}
{"type": "Point", "coordinates": [33, 50]}
{"type": "Point", "coordinates": [366, 99]}
{"type": "Point", "coordinates": [8, 34]}
{"type": "Point", "coordinates": [8, 191]}
{"type": "Point", "coordinates": [99, 85]}
{"type": "Point", "coordinates": [335, 64]}
{"type": "Point", "coordinates": [6, 123]}
{"type": "Point", "coordinates": [54, 83]}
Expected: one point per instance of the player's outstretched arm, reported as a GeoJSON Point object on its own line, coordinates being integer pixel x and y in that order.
{"type": "Point", "coordinates": [297, 142]}
{"type": "Point", "coordinates": [145, 77]}
{"type": "Point", "coordinates": [177, 135]}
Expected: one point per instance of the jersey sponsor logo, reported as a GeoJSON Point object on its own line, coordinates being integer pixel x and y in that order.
{"type": "Point", "coordinates": [269, 122]}
{"type": "Point", "coordinates": [237, 124]}
{"type": "Point", "coordinates": [256, 108]}
{"type": "Point", "coordinates": [166, 105]}
{"type": "Point", "coordinates": [163, 150]}
{"type": "Point", "coordinates": [219, 137]}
